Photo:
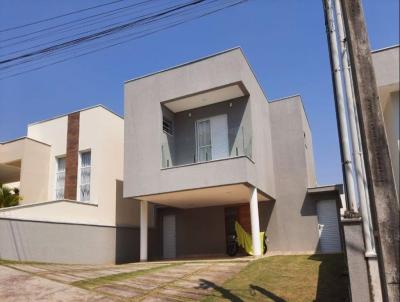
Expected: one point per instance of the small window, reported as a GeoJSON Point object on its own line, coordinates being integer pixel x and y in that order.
{"type": "Point", "coordinates": [60, 177]}
{"type": "Point", "coordinates": [167, 126]}
{"type": "Point", "coordinates": [204, 140]}
{"type": "Point", "coordinates": [85, 167]}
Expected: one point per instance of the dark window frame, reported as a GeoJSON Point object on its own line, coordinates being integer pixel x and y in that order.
{"type": "Point", "coordinates": [168, 126]}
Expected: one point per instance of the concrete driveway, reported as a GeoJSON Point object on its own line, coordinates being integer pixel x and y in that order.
{"type": "Point", "coordinates": [153, 281]}
{"type": "Point", "coordinates": [18, 286]}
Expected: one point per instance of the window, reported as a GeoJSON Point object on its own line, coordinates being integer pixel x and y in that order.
{"type": "Point", "coordinates": [60, 177]}
{"type": "Point", "coordinates": [167, 126]}
{"type": "Point", "coordinates": [84, 185]}
{"type": "Point", "coordinates": [204, 140]}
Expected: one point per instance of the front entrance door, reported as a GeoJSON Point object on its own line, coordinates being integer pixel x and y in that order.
{"type": "Point", "coordinates": [169, 236]}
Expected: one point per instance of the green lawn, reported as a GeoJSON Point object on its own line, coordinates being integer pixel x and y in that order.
{"type": "Point", "coordinates": [288, 278]}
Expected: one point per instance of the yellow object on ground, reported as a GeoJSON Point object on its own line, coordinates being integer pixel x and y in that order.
{"type": "Point", "coordinates": [245, 241]}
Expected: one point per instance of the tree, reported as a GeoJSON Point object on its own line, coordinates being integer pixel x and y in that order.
{"type": "Point", "coordinates": [9, 197]}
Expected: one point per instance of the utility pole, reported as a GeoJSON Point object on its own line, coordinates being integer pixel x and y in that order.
{"type": "Point", "coordinates": [381, 186]}
{"type": "Point", "coordinates": [348, 167]}
{"type": "Point", "coordinates": [354, 138]}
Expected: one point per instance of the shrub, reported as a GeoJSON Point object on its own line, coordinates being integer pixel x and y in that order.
{"type": "Point", "coordinates": [9, 197]}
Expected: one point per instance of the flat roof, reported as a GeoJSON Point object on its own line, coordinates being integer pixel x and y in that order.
{"type": "Point", "coordinates": [185, 63]}
{"type": "Point", "coordinates": [292, 98]}
{"type": "Point", "coordinates": [21, 138]}
{"type": "Point", "coordinates": [80, 110]}
{"type": "Point", "coordinates": [335, 188]}
{"type": "Point", "coordinates": [385, 48]}
{"type": "Point", "coordinates": [205, 58]}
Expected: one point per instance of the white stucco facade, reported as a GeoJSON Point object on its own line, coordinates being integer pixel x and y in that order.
{"type": "Point", "coordinates": [100, 132]}
{"type": "Point", "coordinates": [386, 64]}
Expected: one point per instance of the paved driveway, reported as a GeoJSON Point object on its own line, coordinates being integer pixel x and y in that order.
{"type": "Point", "coordinates": [20, 286]}
{"type": "Point", "coordinates": [153, 281]}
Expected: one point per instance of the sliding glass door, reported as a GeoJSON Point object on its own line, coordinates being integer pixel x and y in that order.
{"type": "Point", "coordinates": [212, 138]}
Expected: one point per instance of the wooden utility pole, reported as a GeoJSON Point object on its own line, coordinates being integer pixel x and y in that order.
{"type": "Point", "coordinates": [381, 185]}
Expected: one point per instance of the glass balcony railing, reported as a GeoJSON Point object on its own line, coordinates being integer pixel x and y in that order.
{"type": "Point", "coordinates": [178, 151]}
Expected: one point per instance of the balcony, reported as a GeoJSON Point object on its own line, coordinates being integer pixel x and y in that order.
{"type": "Point", "coordinates": [209, 133]}
{"type": "Point", "coordinates": [24, 164]}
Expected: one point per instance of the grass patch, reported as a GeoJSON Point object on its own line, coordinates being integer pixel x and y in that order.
{"type": "Point", "coordinates": [287, 278]}
{"type": "Point", "coordinates": [95, 282]}
{"type": "Point", "coordinates": [5, 262]}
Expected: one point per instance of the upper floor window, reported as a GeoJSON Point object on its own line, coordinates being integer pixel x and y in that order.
{"type": "Point", "coordinates": [167, 126]}
{"type": "Point", "coordinates": [60, 177]}
{"type": "Point", "coordinates": [84, 184]}
{"type": "Point", "coordinates": [204, 140]}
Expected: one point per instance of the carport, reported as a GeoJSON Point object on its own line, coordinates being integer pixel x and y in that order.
{"type": "Point", "coordinates": [195, 223]}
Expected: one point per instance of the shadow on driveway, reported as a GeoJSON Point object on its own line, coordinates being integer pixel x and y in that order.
{"type": "Point", "coordinates": [227, 294]}
{"type": "Point", "coordinates": [267, 293]}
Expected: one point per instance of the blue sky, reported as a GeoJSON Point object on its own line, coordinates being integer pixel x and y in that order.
{"type": "Point", "coordinates": [284, 41]}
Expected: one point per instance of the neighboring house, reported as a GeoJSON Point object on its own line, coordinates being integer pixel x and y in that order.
{"type": "Point", "coordinates": [386, 65]}
{"type": "Point", "coordinates": [69, 171]}
{"type": "Point", "coordinates": [201, 148]}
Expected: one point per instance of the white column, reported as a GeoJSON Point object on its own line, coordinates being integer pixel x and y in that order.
{"type": "Point", "coordinates": [143, 229]}
{"type": "Point", "coordinates": [255, 222]}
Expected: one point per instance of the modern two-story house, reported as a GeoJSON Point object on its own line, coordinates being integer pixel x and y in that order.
{"type": "Point", "coordinates": [205, 148]}
{"type": "Point", "coordinates": [200, 147]}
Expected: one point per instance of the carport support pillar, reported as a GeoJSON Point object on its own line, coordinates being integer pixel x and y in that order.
{"type": "Point", "coordinates": [255, 222]}
{"type": "Point", "coordinates": [143, 229]}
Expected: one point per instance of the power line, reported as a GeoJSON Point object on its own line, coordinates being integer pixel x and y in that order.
{"type": "Point", "coordinates": [59, 16]}
{"type": "Point", "coordinates": [141, 21]}
{"type": "Point", "coordinates": [168, 18]}
{"type": "Point", "coordinates": [76, 21]}
{"type": "Point", "coordinates": [97, 35]}
{"type": "Point", "coordinates": [152, 22]}
{"type": "Point", "coordinates": [87, 23]}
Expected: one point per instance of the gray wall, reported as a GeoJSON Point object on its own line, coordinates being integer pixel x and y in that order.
{"type": "Point", "coordinates": [356, 261]}
{"type": "Point", "coordinates": [70, 243]}
{"type": "Point", "coordinates": [201, 231]}
{"type": "Point", "coordinates": [143, 136]}
{"type": "Point", "coordinates": [308, 145]}
{"type": "Point", "coordinates": [293, 224]}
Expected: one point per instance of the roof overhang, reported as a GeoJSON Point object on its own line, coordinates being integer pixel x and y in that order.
{"type": "Point", "coordinates": [336, 189]}
{"type": "Point", "coordinates": [10, 172]}
{"type": "Point", "coordinates": [207, 97]}
{"type": "Point", "coordinates": [206, 197]}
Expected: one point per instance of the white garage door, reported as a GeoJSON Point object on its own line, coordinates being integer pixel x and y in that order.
{"type": "Point", "coordinates": [329, 238]}
{"type": "Point", "coordinates": [169, 236]}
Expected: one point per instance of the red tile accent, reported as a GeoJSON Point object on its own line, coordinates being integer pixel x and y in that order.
{"type": "Point", "coordinates": [71, 160]}
{"type": "Point", "coordinates": [244, 217]}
